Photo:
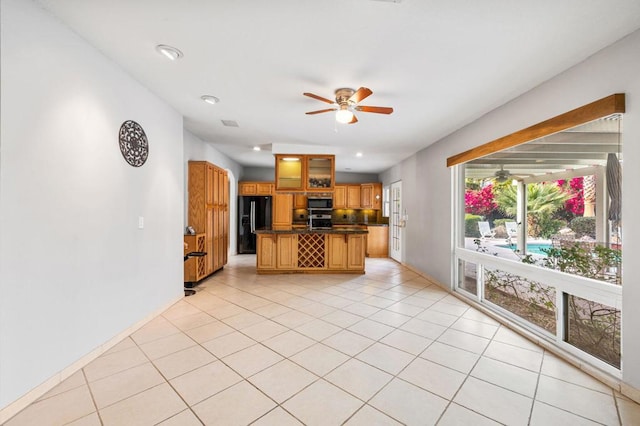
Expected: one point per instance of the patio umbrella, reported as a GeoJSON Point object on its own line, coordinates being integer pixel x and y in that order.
{"type": "Point", "coordinates": [614, 188]}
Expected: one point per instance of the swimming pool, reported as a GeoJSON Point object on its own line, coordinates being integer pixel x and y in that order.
{"type": "Point", "coordinates": [532, 248]}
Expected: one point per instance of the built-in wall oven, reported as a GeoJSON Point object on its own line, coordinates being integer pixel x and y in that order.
{"type": "Point", "coordinates": [319, 219]}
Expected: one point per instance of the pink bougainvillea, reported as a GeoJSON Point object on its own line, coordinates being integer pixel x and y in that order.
{"type": "Point", "coordinates": [575, 204]}
{"type": "Point", "coordinates": [479, 202]}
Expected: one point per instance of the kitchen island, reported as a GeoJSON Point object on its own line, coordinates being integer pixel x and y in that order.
{"type": "Point", "coordinates": [324, 251]}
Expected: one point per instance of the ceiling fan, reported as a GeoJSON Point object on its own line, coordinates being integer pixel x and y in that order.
{"type": "Point", "coordinates": [502, 175]}
{"type": "Point", "coordinates": [346, 103]}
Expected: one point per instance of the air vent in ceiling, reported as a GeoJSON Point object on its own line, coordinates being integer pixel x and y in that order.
{"type": "Point", "coordinates": [230, 123]}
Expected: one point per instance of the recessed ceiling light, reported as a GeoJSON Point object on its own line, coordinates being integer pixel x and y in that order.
{"type": "Point", "coordinates": [358, 154]}
{"type": "Point", "coordinates": [210, 99]}
{"type": "Point", "coordinates": [169, 52]}
{"type": "Point", "coordinates": [256, 148]}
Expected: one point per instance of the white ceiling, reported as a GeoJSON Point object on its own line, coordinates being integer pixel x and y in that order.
{"type": "Point", "coordinates": [439, 64]}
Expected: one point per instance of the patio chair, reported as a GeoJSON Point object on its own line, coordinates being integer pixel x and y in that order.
{"type": "Point", "coordinates": [485, 230]}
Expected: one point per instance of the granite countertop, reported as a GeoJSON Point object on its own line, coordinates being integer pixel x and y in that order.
{"type": "Point", "coordinates": [314, 231]}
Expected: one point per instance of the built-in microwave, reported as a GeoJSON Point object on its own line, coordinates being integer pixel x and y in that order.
{"type": "Point", "coordinates": [319, 203]}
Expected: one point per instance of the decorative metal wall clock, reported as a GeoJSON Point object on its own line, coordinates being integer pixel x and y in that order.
{"type": "Point", "coordinates": [133, 143]}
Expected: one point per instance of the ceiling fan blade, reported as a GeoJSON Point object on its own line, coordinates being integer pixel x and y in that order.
{"type": "Point", "coordinates": [360, 94]}
{"type": "Point", "coordinates": [320, 98]}
{"type": "Point", "coordinates": [353, 120]}
{"type": "Point", "coordinates": [376, 109]}
{"type": "Point", "coordinates": [321, 110]}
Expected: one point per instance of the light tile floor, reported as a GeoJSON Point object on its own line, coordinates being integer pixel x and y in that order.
{"type": "Point", "coordinates": [383, 348]}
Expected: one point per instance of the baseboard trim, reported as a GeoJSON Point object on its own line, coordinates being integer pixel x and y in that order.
{"type": "Point", "coordinates": [30, 397]}
{"type": "Point", "coordinates": [613, 382]}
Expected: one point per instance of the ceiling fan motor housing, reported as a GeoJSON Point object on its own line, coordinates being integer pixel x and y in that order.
{"type": "Point", "coordinates": [343, 95]}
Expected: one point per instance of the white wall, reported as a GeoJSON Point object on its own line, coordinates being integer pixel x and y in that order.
{"type": "Point", "coordinates": [195, 149]}
{"type": "Point", "coordinates": [427, 181]}
{"type": "Point", "coordinates": [75, 270]}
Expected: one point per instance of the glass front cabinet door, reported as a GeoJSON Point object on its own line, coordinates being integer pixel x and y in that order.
{"type": "Point", "coordinates": [320, 172]}
{"type": "Point", "coordinates": [290, 172]}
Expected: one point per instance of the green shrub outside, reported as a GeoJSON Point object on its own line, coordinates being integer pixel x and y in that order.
{"type": "Point", "coordinates": [501, 222]}
{"type": "Point", "coordinates": [584, 226]}
{"type": "Point", "coordinates": [471, 225]}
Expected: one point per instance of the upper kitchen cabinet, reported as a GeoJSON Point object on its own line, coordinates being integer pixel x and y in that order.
{"type": "Point", "coordinates": [310, 173]}
{"type": "Point", "coordinates": [290, 172]}
{"type": "Point", "coordinates": [320, 172]}
{"type": "Point", "coordinates": [371, 196]}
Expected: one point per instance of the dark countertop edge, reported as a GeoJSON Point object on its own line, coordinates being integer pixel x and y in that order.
{"type": "Point", "coordinates": [315, 231]}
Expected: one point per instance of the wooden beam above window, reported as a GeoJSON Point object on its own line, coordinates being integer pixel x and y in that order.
{"type": "Point", "coordinates": [612, 104]}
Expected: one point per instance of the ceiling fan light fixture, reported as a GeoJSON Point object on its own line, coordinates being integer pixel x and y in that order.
{"type": "Point", "coordinates": [169, 52]}
{"type": "Point", "coordinates": [344, 116]}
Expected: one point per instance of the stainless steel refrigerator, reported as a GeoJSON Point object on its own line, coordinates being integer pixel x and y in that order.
{"type": "Point", "coordinates": [255, 213]}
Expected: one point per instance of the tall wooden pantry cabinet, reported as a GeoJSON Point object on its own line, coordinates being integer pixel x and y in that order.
{"type": "Point", "coordinates": [209, 211]}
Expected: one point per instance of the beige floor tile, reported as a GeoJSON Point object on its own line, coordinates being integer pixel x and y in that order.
{"type": "Point", "coordinates": [112, 363]}
{"type": "Point", "coordinates": [318, 330]}
{"type": "Point", "coordinates": [282, 380]}
{"type": "Point", "coordinates": [337, 302]}
{"type": "Point", "coordinates": [319, 359]}
{"type": "Point", "coordinates": [277, 417]}
{"type": "Point", "coordinates": [494, 402]}
{"type": "Point", "coordinates": [433, 377]}
{"type": "Point", "coordinates": [629, 412]}
{"type": "Point", "coordinates": [75, 380]}
{"type": "Point", "coordinates": [193, 321]}
{"type": "Point", "coordinates": [251, 360]}
{"type": "Point", "coordinates": [507, 376]}
{"type": "Point", "coordinates": [241, 404]}
{"type": "Point", "coordinates": [154, 329]}
{"type": "Point", "coordinates": [378, 302]}
{"type": "Point", "coordinates": [91, 420]}
{"type": "Point", "coordinates": [59, 409]}
{"type": "Point", "coordinates": [475, 327]}
{"type": "Point", "coordinates": [149, 407]}
{"type": "Point", "coordinates": [584, 402]}
{"type": "Point", "coordinates": [223, 312]}
{"type": "Point", "coordinates": [348, 342]}
{"type": "Point", "coordinates": [322, 404]}
{"type": "Point", "coordinates": [210, 331]}
{"type": "Point", "coordinates": [289, 343]}
{"type": "Point", "coordinates": [367, 416]}
{"type": "Point", "coordinates": [555, 367]}
{"type": "Point", "coordinates": [423, 328]}
{"type": "Point", "coordinates": [228, 344]}
{"type": "Point", "coordinates": [184, 418]}
{"type": "Point", "coordinates": [293, 319]}
{"type": "Point", "coordinates": [386, 358]}
{"type": "Point", "coordinates": [201, 383]}
{"type": "Point", "coordinates": [419, 301]}
{"type": "Point", "coordinates": [450, 308]}
{"type": "Point", "coordinates": [462, 340]}
{"type": "Point", "coordinates": [167, 345]}
{"type": "Point", "coordinates": [445, 320]}
{"type": "Point", "coordinates": [264, 330]}
{"type": "Point", "coordinates": [405, 309]}
{"type": "Point", "coordinates": [457, 415]}
{"type": "Point", "coordinates": [183, 361]}
{"type": "Point", "coordinates": [546, 415]}
{"type": "Point", "coordinates": [520, 357]}
{"type": "Point", "coordinates": [359, 379]}
{"type": "Point", "coordinates": [408, 342]}
{"type": "Point", "coordinates": [342, 319]}
{"type": "Point", "coordinates": [126, 343]}
{"type": "Point", "coordinates": [451, 357]}
{"type": "Point", "coordinates": [243, 320]}
{"type": "Point", "coordinates": [476, 315]}
{"type": "Point", "coordinates": [318, 310]}
{"type": "Point", "coordinates": [361, 309]}
{"type": "Point", "coordinates": [408, 403]}
{"type": "Point", "coordinates": [390, 318]}
{"type": "Point", "coordinates": [272, 310]}
{"type": "Point", "coordinates": [179, 310]}
{"type": "Point", "coordinates": [512, 338]}
{"type": "Point", "coordinates": [371, 329]}
{"type": "Point", "coordinates": [124, 384]}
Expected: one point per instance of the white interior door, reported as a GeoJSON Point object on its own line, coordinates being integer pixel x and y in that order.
{"type": "Point", "coordinates": [395, 222]}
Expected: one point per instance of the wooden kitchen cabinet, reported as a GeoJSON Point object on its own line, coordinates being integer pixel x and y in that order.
{"type": "Point", "coordinates": [356, 247]}
{"type": "Point", "coordinates": [299, 201]}
{"type": "Point", "coordinates": [209, 211]}
{"type": "Point", "coordinates": [290, 172]}
{"type": "Point", "coordinates": [282, 211]}
{"type": "Point", "coordinates": [337, 256]}
{"type": "Point", "coordinates": [353, 196]}
{"type": "Point", "coordinates": [378, 241]}
{"type": "Point", "coordinates": [340, 197]}
{"type": "Point", "coordinates": [320, 172]}
{"type": "Point", "coordinates": [310, 173]}
{"type": "Point", "coordinates": [255, 188]}
{"type": "Point", "coordinates": [287, 251]}
{"type": "Point", "coordinates": [195, 267]}
{"type": "Point", "coordinates": [371, 196]}
{"type": "Point", "coordinates": [266, 251]}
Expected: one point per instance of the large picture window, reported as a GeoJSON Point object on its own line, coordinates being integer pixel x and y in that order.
{"type": "Point", "coordinates": [540, 236]}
